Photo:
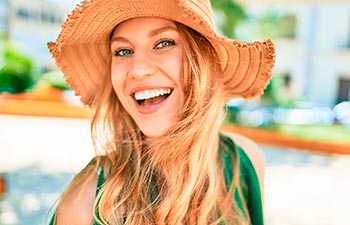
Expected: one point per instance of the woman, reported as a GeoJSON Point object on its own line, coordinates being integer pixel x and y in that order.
{"type": "Point", "coordinates": [156, 77]}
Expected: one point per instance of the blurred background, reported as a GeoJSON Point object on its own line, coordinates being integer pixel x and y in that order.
{"type": "Point", "coordinates": [302, 122]}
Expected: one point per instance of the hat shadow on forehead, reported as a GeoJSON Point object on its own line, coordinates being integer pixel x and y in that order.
{"type": "Point", "coordinates": [83, 54]}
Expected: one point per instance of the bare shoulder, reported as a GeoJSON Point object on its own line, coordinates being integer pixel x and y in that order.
{"type": "Point", "coordinates": [253, 152]}
{"type": "Point", "coordinates": [76, 205]}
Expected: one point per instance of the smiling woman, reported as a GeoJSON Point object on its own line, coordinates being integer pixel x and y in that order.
{"type": "Point", "coordinates": [146, 72]}
{"type": "Point", "coordinates": [157, 76]}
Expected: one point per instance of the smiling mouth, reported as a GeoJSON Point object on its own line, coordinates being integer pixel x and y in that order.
{"type": "Point", "coordinates": [152, 97]}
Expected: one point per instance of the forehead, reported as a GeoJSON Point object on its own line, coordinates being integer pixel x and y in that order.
{"type": "Point", "coordinates": [143, 23]}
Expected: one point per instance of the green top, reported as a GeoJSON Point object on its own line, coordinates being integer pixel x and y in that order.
{"type": "Point", "coordinates": [249, 181]}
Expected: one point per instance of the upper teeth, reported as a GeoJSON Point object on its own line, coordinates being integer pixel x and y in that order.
{"type": "Point", "coordinates": [151, 93]}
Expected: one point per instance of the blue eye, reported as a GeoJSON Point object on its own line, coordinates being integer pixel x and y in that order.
{"type": "Point", "coordinates": [164, 44]}
{"type": "Point", "coordinates": [123, 52]}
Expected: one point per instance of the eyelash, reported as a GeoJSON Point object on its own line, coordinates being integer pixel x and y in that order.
{"type": "Point", "coordinates": [118, 52]}
{"type": "Point", "coordinates": [171, 43]}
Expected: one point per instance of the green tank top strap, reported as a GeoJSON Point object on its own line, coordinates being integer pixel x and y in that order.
{"type": "Point", "coordinates": [249, 182]}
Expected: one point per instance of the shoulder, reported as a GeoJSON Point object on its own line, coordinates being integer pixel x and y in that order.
{"type": "Point", "coordinates": [253, 164]}
{"type": "Point", "coordinates": [253, 152]}
{"type": "Point", "coordinates": [77, 202]}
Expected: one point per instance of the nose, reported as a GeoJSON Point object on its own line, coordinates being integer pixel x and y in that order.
{"type": "Point", "coordinates": [141, 66]}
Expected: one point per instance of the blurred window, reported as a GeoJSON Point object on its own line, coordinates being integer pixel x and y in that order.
{"type": "Point", "coordinates": [286, 80]}
{"type": "Point", "coordinates": [343, 89]}
{"type": "Point", "coordinates": [38, 15]}
{"type": "Point", "coordinates": [24, 14]}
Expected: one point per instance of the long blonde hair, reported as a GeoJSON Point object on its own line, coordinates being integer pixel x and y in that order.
{"type": "Point", "coordinates": [177, 178]}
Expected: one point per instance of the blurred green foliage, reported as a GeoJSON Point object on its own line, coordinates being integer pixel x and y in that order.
{"type": "Point", "coordinates": [17, 72]}
{"type": "Point", "coordinates": [286, 25]}
{"type": "Point", "coordinates": [336, 133]}
{"type": "Point", "coordinates": [278, 94]}
{"type": "Point", "coordinates": [273, 25]}
{"type": "Point", "coordinates": [53, 79]}
{"type": "Point", "coordinates": [232, 14]}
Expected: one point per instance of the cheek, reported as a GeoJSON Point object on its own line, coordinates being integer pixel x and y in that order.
{"type": "Point", "coordinates": [173, 65]}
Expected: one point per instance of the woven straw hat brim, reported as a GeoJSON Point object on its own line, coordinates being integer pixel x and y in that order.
{"type": "Point", "coordinates": [83, 54]}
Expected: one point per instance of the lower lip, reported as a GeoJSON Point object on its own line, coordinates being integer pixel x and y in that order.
{"type": "Point", "coordinates": [151, 108]}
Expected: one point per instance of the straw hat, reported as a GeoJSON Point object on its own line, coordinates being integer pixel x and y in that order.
{"type": "Point", "coordinates": [82, 48]}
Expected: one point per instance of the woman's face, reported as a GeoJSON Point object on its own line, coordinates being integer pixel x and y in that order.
{"type": "Point", "coordinates": [147, 70]}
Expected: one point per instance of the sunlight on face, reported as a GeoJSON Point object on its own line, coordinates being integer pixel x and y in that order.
{"type": "Point", "coordinates": [146, 72]}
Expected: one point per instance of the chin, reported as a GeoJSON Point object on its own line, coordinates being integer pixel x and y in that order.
{"type": "Point", "coordinates": [153, 133]}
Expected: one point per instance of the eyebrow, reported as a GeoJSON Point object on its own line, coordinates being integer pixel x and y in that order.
{"type": "Point", "coordinates": [161, 30]}
{"type": "Point", "coordinates": [152, 33]}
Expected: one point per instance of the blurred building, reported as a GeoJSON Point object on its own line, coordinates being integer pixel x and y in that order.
{"type": "Point", "coordinates": [3, 15]}
{"type": "Point", "coordinates": [315, 58]}
{"type": "Point", "coordinates": [31, 24]}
